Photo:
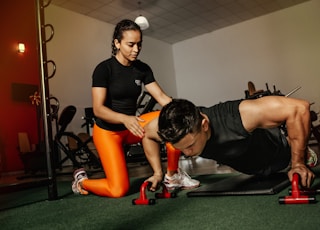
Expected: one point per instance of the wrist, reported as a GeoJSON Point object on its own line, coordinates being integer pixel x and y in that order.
{"type": "Point", "coordinates": [298, 160]}
{"type": "Point", "coordinates": [122, 118]}
{"type": "Point", "coordinates": [297, 164]}
{"type": "Point", "coordinates": [158, 173]}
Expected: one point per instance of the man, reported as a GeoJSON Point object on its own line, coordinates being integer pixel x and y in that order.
{"type": "Point", "coordinates": [243, 134]}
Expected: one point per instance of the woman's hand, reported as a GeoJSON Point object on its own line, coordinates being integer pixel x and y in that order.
{"type": "Point", "coordinates": [132, 124]}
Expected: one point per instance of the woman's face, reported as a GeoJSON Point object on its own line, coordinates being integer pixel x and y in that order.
{"type": "Point", "coordinates": [129, 47]}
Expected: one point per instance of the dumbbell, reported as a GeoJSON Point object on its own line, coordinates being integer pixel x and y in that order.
{"type": "Point", "coordinates": [296, 197]}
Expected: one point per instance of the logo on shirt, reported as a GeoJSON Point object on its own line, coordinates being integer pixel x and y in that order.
{"type": "Point", "coordinates": [138, 82]}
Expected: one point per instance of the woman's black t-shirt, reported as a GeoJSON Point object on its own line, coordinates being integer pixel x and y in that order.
{"type": "Point", "coordinates": [123, 84]}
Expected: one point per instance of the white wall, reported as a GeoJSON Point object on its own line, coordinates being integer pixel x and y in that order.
{"type": "Point", "coordinates": [79, 44]}
{"type": "Point", "coordinates": [282, 49]}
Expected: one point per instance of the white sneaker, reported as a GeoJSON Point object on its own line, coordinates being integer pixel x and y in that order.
{"type": "Point", "coordinates": [180, 180]}
{"type": "Point", "coordinates": [79, 175]}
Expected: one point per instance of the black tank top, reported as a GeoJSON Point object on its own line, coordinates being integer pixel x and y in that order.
{"type": "Point", "coordinates": [261, 152]}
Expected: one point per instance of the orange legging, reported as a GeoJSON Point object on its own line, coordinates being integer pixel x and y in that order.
{"type": "Point", "coordinates": [109, 145]}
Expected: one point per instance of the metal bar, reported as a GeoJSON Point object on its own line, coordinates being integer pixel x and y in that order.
{"type": "Point", "coordinates": [48, 141]}
{"type": "Point", "coordinates": [293, 91]}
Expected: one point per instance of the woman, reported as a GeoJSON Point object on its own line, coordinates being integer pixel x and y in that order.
{"type": "Point", "coordinates": [116, 86]}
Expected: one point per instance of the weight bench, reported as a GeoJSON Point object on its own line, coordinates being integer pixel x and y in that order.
{"type": "Point", "coordinates": [243, 184]}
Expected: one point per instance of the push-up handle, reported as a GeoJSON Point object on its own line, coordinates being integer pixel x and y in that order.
{"type": "Point", "coordinates": [296, 197]}
{"type": "Point", "coordinates": [143, 200]}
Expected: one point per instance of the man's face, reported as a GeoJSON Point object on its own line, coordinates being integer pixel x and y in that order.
{"type": "Point", "coordinates": [193, 143]}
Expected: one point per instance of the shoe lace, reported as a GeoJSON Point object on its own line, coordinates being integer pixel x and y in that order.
{"type": "Point", "coordinates": [183, 174]}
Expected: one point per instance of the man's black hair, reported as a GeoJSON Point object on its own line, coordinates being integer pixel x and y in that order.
{"type": "Point", "coordinates": [177, 119]}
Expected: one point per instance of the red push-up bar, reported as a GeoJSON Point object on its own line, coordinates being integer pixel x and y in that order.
{"type": "Point", "coordinates": [296, 197]}
{"type": "Point", "coordinates": [143, 200]}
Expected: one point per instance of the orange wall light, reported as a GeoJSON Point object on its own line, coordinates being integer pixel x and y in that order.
{"type": "Point", "coordinates": [21, 48]}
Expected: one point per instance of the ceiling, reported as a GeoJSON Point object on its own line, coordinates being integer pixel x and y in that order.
{"type": "Point", "coordinates": [173, 21]}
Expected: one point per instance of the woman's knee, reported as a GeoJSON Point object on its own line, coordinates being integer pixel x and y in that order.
{"type": "Point", "coordinates": [119, 191]}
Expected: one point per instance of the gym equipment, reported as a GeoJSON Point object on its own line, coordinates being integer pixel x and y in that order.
{"type": "Point", "coordinates": [252, 93]}
{"type": "Point", "coordinates": [293, 91]}
{"type": "Point", "coordinates": [89, 119]}
{"type": "Point", "coordinates": [76, 149]}
{"type": "Point", "coordinates": [296, 197]}
{"type": "Point", "coordinates": [315, 129]}
{"type": "Point", "coordinates": [145, 103]}
{"type": "Point", "coordinates": [143, 200]}
{"type": "Point", "coordinates": [165, 193]}
{"type": "Point", "coordinates": [307, 192]}
{"type": "Point", "coordinates": [244, 184]}
{"type": "Point", "coordinates": [32, 157]}
{"type": "Point", "coordinates": [134, 153]}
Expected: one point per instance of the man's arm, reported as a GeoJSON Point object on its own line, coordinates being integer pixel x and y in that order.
{"type": "Point", "coordinates": [151, 147]}
{"type": "Point", "coordinates": [272, 111]}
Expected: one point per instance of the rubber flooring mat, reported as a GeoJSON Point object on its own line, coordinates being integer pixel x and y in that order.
{"type": "Point", "coordinates": [244, 185]}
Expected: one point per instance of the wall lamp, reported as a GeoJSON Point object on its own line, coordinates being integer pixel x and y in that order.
{"type": "Point", "coordinates": [21, 48]}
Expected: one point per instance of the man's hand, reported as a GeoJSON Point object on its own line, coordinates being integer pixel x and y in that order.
{"type": "Point", "coordinates": [155, 180]}
{"type": "Point", "coordinates": [306, 175]}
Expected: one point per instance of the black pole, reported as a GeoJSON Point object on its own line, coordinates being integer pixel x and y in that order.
{"type": "Point", "coordinates": [45, 101]}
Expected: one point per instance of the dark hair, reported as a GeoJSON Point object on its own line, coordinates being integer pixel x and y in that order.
{"type": "Point", "coordinates": [122, 26]}
{"type": "Point", "coordinates": [177, 119]}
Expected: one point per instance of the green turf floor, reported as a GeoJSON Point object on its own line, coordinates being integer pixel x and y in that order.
{"type": "Point", "coordinates": [221, 212]}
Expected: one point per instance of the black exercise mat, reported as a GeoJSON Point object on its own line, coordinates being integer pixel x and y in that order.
{"type": "Point", "coordinates": [244, 185]}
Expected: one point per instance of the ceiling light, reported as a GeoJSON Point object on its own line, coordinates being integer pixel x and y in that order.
{"type": "Point", "coordinates": [142, 21]}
